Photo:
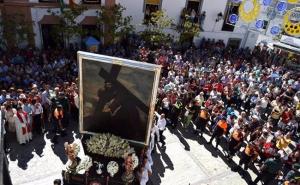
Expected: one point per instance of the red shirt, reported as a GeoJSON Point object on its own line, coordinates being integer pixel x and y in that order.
{"type": "Point", "coordinates": [286, 116]}
{"type": "Point", "coordinates": [207, 87]}
{"type": "Point", "coordinates": [218, 87]}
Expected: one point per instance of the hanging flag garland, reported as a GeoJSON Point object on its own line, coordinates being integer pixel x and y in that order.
{"type": "Point", "coordinates": [275, 30]}
{"type": "Point", "coordinates": [259, 24]}
{"type": "Point", "coordinates": [267, 2]}
{"type": "Point", "coordinates": [249, 10]}
{"type": "Point", "coordinates": [233, 18]}
{"type": "Point", "coordinates": [291, 22]}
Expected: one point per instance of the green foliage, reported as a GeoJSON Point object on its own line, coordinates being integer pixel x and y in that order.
{"type": "Point", "coordinates": [68, 26]}
{"type": "Point", "coordinates": [115, 25]}
{"type": "Point", "coordinates": [155, 33]}
{"type": "Point", "coordinates": [15, 30]}
{"type": "Point", "coordinates": [188, 30]}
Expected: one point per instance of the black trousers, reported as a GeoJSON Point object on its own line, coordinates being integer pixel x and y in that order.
{"type": "Point", "coordinates": [201, 124]}
{"type": "Point", "coordinates": [161, 137]}
{"type": "Point", "coordinates": [218, 132]}
{"type": "Point", "coordinates": [231, 146]}
{"type": "Point", "coordinates": [37, 123]}
{"type": "Point", "coordinates": [245, 159]}
{"type": "Point", "coordinates": [265, 176]}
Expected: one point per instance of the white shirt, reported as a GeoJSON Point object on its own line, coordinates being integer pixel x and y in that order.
{"type": "Point", "coordinates": [161, 122]}
{"type": "Point", "coordinates": [37, 109]}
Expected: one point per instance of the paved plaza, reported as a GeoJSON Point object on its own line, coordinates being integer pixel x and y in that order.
{"type": "Point", "coordinates": [186, 160]}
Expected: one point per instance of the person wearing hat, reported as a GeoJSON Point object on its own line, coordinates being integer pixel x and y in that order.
{"type": "Point", "coordinates": [219, 130]}
{"type": "Point", "coordinates": [23, 128]}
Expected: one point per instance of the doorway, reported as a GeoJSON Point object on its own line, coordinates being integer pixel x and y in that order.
{"type": "Point", "coordinates": [234, 43]}
{"type": "Point", "coordinates": [51, 37]}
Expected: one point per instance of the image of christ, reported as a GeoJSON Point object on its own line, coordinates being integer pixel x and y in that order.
{"type": "Point", "coordinates": [116, 99]}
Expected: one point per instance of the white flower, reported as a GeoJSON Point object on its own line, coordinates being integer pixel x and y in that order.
{"type": "Point", "coordinates": [108, 145]}
{"type": "Point", "coordinates": [112, 168]}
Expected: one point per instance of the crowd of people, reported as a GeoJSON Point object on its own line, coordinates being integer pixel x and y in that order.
{"type": "Point", "coordinates": [38, 93]}
{"type": "Point", "coordinates": [247, 101]}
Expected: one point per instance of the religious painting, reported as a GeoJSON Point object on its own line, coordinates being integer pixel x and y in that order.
{"type": "Point", "coordinates": [117, 96]}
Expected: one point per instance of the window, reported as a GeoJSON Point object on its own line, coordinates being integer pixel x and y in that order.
{"type": "Point", "coordinates": [231, 8]}
{"type": "Point", "coordinates": [194, 5]}
{"type": "Point", "coordinates": [265, 24]}
{"type": "Point", "coordinates": [150, 6]}
{"type": "Point", "coordinates": [92, 1]}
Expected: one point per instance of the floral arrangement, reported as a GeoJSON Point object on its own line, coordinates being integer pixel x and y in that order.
{"type": "Point", "coordinates": [84, 165]}
{"type": "Point", "coordinates": [112, 168]}
{"type": "Point", "coordinates": [108, 145]}
{"type": "Point", "coordinates": [135, 161]}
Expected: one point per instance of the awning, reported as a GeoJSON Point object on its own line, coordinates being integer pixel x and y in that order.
{"type": "Point", "coordinates": [153, 2]}
{"type": "Point", "coordinates": [50, 19]}
{"type": "Point", "coordinates": [91, 41]}
{"type": "Point", "coordinates": [89, 20]}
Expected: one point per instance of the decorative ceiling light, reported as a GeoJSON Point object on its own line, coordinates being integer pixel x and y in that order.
{"type": "Point", "coordinates": [249, 10]}
{"type": "Point", "coordinates": [275, 30]}
{"type": "Point", "coordinates": [281, 6]}
{"type": "Point", "coordinates": [259, 24]}
{"type": "Point", "coordinates": [233, 18]}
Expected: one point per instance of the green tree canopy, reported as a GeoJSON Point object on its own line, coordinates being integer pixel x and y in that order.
{"type": "Point", "coordinates": [155, 32]}
{"type": "Point", "coordinates": [14, 29]}
{"type": "Point", "coordinates": [114, 25]}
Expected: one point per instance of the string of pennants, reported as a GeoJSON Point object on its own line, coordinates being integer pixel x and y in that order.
{"type": "Point", "coordinates": [249, 11]}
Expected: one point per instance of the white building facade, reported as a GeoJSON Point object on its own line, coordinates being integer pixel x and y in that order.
{"type": "Point", "coordinates": [215, 25]}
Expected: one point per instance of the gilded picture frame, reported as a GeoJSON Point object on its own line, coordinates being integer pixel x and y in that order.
{"type": "Point", "coordinates": [112, 91]}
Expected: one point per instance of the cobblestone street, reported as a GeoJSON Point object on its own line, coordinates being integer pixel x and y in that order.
{"type": "Point", "coordinates": [186, 159]}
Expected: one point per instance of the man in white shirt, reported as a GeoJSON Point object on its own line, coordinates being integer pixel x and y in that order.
{"type": "Point", "coordinates": [161, 124]}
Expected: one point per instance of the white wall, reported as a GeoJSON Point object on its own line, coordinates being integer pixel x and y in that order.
{"type": "Point", "coordinates": [134, 8]}
{"type": "Point", "coordinates": [37, 15]}
{"type": "Point", "coordinates": [212, 8]}
{"type": "Point", "coordinates": [173, 9]}
{"type": "Point", "coordinates": [218, 36]}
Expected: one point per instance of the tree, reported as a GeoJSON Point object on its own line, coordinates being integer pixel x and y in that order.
{"type": "Point", "coordinates": [115, 26]}
{"type": "Point", "coordinates": [68, 27]}
{"type": "Point", "coordinates": [155, 33]}
{"type": "Point", "coordinates": [15, 30]}
{"type": "Point", "coordinates": [188, 30]}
